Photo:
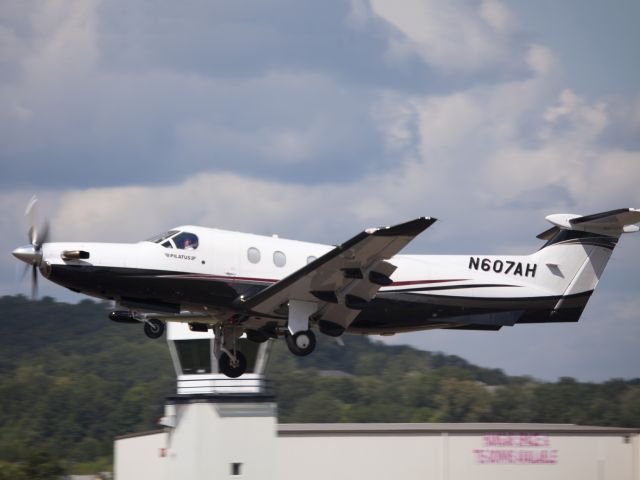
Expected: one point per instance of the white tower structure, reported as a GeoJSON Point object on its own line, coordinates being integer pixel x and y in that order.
{"type": "Point", "coordinates": [218, 427]}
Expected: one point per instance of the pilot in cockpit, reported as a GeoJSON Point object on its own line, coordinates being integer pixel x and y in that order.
{"type": "Point", "coordinates": [186, 241]}
{"type": "Point", "coordinates": [181, 240]}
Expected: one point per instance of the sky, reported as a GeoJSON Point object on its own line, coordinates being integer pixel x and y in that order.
{"type": "Point", "coordinates": [315, 120]}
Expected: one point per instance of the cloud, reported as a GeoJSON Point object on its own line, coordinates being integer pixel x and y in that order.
{"type": "Point", "coordinates": [458, 36]}
{"type": "Point", "coordinates": [312, 122]}
{"type": "Point", "coordinates": [569, 154]}
{"type": "Point", "coordinates": [100, 93]}
{"type": "Point", "coordinates": [245, 39]}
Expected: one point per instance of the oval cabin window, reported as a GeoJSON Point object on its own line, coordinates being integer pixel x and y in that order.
{"type": "Point", "coordinates": [253, 255]}
{"type": "Point", "coordinates": [279, 259]}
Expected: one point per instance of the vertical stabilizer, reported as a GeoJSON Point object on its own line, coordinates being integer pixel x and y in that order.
{"type": "Point", "coordinates": [577, 251]}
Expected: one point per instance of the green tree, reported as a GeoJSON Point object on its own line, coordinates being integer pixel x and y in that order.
{"type": "Point", "coordinates": [70, 380]}
{"type": "Point", "coordinates": [463, 401]}
{"type": "Point", "coordinates": [11, 471]}
{"type": "Point", "coordinates": [39, 465]}
{"type": "Point", "coordinates": [630, 407]}
{"type": "Point", "coordinates": [319, 407]}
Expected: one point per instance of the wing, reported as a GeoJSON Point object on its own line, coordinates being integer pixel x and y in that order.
{"type": "Point", "coordinates": [337, 285]}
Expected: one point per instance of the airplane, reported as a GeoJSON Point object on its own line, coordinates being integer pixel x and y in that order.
{"type": "Point", "coordinates": [262, 287]}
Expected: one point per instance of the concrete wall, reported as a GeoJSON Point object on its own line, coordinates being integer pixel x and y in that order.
{"type": "Point", "coordinates": [456, 456]}
{"type": "Point", "coordinates": [456, 452]}
{"type": "Point", "coordinates": [141, 456]}
{"type": "Point", "coordinates": [210, 438]}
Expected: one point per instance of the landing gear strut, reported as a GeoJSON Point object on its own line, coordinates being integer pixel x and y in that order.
{"type": "Point", "coordinates": [231, 361]}
{"type": "Point", "coordinates": [301, 343]}
{"type": "Point", "coordinates": [234, 366]}
{"type": "Point", "coordinates": [153, 328]}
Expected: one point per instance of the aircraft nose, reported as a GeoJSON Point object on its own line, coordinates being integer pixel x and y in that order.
{"type": "Point", "coordinates": [28, 254]}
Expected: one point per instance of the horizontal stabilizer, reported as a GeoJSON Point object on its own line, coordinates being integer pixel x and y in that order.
{"type": "Point", "coordinates": [613, 223]}
{"type": "Point", "coordinates": [548, 234]}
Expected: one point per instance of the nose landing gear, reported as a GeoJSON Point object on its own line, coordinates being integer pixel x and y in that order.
{"type": "Point", "coordinates": [153, 328]}
{"type": "Point", "coordinates": [233, 365]}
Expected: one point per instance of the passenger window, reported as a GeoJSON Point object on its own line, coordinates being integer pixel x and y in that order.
{"type": "Point", "coordinates": [186, 241]}
{"type": "Point", "coordinates": [253, 255]}
{"type": "Point", "coordinates": [310, 259]}
{"type": "Point", "coordinates": [279, 259]}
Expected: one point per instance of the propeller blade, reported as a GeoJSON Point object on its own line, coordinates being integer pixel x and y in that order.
{"type": "Point", "coordinates": [37, 237]}
{"type": "Point", "coordinates": [24, 272]}
{"type": "Point", "coordinates": [31, 235]}
{"type": "Point", "coordinates": [43, 235]}
{"type": "Point", "coordinates": [30, 213]}
{"type": "Point", "coordinates": [34, 283]}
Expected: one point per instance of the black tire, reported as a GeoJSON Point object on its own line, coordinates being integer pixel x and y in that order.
{"type": "Point", "coordinates": [226, 367]}
{"type": "Point", "coordinates": [301, 343]}
{"type": "Point", "coordinates": [153, 328]}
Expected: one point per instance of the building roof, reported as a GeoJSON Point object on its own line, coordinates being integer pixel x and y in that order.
{"type": "Point", "coordinates": [139, 434]}
{"type": "Point", "coordinates": [303, 429]}
{"type": "Point", "coordinates": [293, 429]}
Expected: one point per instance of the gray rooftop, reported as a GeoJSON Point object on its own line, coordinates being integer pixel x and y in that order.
{"type": "Point", "coordinates": [305, 429]}
{"type": "Point", "coordinates": [293, 429]}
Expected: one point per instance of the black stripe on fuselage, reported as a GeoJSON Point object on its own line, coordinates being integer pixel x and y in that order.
{"type": "Point", "coordinates": [154, 285]}
{"type": "Point", "coordinates": [578, 237]}
{"type": "Point", "coordinates": [416, 311]}
{"type": "Point", "coordinates": [451, 287]}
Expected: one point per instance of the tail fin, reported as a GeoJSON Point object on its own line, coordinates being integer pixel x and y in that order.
{"type": "Point", "coordinates": [577, 251]}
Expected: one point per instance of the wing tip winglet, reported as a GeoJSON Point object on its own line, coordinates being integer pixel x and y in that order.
{"type": "Point", "coordinates": [408, 229]}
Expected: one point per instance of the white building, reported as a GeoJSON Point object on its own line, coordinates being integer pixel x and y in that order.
{"type": "Point", "coordinates": [410, 451]}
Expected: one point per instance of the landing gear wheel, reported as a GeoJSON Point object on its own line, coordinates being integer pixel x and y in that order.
{"type": "Point", "coordinates": [230, 367]}
{"type": "Point", "coordinates": [153, 328]}
{"type": "Point", "coordinates": [301, 343]}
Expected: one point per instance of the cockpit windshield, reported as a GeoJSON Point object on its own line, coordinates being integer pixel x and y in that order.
{"type": "Point", "coordinates": [176, 239]}
{"type": "Point", "coordinates": [162, 236]}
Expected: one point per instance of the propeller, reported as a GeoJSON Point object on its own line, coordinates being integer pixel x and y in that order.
{"type": "Point", "coordinates": [32, 253]}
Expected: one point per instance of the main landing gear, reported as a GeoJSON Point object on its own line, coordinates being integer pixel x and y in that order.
{"type": "Point", "coordinates": [300, 339]}
{"type": "Point", "coordinates": [301, 343]}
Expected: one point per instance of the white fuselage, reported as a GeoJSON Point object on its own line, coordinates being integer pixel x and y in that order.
{"type": "Point", "coordinates": [238, 262]}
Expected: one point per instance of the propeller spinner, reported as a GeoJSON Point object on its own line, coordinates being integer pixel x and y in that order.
{"type": "Point", "coordinates": [32, 254]}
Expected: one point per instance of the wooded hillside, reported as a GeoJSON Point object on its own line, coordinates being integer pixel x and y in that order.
{"type": "Point", "coordinates": [71, 380]}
